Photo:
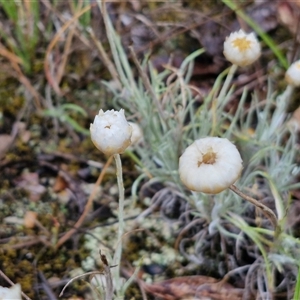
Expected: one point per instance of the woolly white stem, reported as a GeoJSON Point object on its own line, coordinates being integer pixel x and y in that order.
{"type": "Point", "coordinates": [118, 253]}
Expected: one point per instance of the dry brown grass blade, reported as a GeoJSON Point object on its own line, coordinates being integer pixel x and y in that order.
{"type": "Point", "coordinates": [88, 205]}
{"type": "Point", "coordinates": [65, 56]}
{"type": "Point", "coordinates": [53, 81]}
{"type": "Point", "coordinates": [264, 209]}
{"type": "Point", "coordinates": [105, 58]}
{"type": "Point", "coordinates": [10, 56]}
{"type": "Point", "coordinates": [15, 61]}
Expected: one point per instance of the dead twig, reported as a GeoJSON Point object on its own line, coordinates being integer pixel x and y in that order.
{"type": "Point", "coordinates": [46, 287]}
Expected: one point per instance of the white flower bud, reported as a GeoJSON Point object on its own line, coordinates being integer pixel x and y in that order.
{"type": "Point", "coordinates": [13, 292]}
{"type": "Point", "coordinates": [241, 49]}
{"type": "Point", "coordinates": [210, 165]}
{"type": "Point", "coordinates": [111, 132]}
{"type": "Point", "coordinates": [292, 75]}
{"type": "Point", "coordinates": [137, 134]}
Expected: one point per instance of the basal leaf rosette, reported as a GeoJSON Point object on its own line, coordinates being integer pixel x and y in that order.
{"type": "Point", "coordinates": [110, 132]}
{"type": "Point", "coordinates": [242, 48]}
{"type": "Point", "coordinates": [210, 165]}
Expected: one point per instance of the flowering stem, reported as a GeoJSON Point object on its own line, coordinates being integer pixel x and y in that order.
{"type": "Point", "coordinates": [118, 253]}
{"type": "Point", "coordinates": [264, 209]}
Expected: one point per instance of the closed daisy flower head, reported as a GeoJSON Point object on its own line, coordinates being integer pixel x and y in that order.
{"type": "Point", "coordinates": [137, 134]}
{"type": "Point", "coordinates": [241, 49]}
{"type": "Point", "coordinates": [292, 75]}
{"type": "Point", "coordinates": [111, 132]}
{"type": "Point", "coordinates": [210, 165]}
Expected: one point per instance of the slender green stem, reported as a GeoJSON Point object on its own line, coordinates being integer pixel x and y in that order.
{"type": "Point", "coordinates": [118, 253]}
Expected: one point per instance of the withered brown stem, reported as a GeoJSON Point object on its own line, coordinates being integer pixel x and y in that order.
{"type": "Point", "coordinates": [264, 209]}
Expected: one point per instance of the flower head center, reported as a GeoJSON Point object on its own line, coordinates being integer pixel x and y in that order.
{"type": "Point", "coordinates": [242, 44]}
{"type": "Point", "coordinates": [209, 158]}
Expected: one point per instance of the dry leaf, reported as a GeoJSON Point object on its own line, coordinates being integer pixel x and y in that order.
{"type": "Point", "coordinates": [288, 14]}
{"type": "Point", "coordinates": [23, 133]}
{"type": "Point", "coordinates": [29, 181]}
{"type": "Point", "coordinates": [297, 2]}
{"type": "Point", "coordinates": [5, 141]}
{"type": "Point", "coordinates": [197, 287]}
{"type": "Point", "coordinates": [60, 184]}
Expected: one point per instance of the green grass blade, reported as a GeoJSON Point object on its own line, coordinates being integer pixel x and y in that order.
{"type": "Point", "coordinates": [297, 288]}
{"type": "Point", "coordinates": [10, 8]}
